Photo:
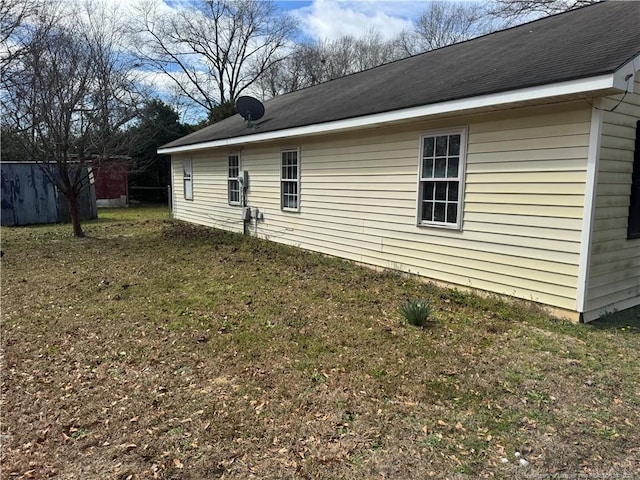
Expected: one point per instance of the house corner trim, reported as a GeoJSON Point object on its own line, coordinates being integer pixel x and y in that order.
{"type": "Point", "coordinates": [591, 185]}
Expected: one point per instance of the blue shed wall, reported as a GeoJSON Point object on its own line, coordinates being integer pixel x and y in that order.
{"type": "Point", "coordinates": [29, 197]}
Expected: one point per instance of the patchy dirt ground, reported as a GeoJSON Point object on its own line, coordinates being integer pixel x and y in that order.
{"type": "Point", "coordinates": [156, 349]}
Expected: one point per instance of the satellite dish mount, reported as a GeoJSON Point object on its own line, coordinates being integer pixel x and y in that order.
{"type": "Point", "coordinates": [251, 109]}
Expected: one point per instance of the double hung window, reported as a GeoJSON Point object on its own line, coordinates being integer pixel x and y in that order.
{"type": "Point", "coordinates": [441, 179]}
{"type": "Point", "coordinates": [290, 180]}
{"type": "Point", "coordinates": [233, 185]}
{"type": "Point", "coordinates": [187, 179]}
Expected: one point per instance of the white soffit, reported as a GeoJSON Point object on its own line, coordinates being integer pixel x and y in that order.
{"type": "Point", "coordinates": [585, 85]}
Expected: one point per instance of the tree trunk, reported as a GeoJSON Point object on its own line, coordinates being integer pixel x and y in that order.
{"type": "Point", "coordinates": [75, 214]}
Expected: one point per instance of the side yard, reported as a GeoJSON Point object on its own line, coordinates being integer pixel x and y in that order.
{"type": "Point", "coordinates": [157, 349]}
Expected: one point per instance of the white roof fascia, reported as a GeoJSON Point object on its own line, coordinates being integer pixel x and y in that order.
{"type": "Point", "coordinates": [582, 85]}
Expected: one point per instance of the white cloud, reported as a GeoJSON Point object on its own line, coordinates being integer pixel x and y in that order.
{"type": "Point", "coordinates": [332, 19]}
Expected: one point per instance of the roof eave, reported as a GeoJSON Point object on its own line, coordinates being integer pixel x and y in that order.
{"type": "Point", "coordinates": [617, 80]}
{"type": "Point", "coordinates": [625, 75]}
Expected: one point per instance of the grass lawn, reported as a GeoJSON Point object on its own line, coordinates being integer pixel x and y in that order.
{"type": "Point", "coordinates": [157, 349]}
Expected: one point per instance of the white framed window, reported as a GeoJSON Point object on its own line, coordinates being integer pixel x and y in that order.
{"type": "Point", "coordinates": [442, 161]}
{"type": "Point", "coordinates": [290, 179]}
{"type": "Point", "coordinates": [187, 178]}
{"type": "Point", "coordinates": [233, 185]}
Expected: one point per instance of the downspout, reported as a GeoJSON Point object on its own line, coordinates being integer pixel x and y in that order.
{"type": "Point", "coordinates": [246, 219]}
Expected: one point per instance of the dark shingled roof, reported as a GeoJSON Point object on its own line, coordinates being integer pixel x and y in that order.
{"type": "Point", "coordinates": [587, 42]}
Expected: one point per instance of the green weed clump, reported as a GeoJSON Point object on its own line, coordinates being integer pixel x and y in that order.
{"type": "Point", "coordinates": [416, 312]}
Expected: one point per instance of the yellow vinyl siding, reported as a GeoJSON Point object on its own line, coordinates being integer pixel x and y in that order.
{"type": "Point", "coordinates": [614, 270]}
{"type": "Point", "coordinates": [210, 202]}
{"type": "Point", "coordinates": [567, 166]}
{"type": "Point", "coordinates": [522, 212]}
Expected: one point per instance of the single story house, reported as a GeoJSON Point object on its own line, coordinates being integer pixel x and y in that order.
{"type": "Point", "coordinates": [508, 163]}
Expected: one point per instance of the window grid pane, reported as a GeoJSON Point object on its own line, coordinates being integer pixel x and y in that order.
{"type": "Point", "coordinates": [452, 212]}
{"type": "Point", "coordinates": [440, 179]}
{"type": "Point", "coordinates": [427, 211]}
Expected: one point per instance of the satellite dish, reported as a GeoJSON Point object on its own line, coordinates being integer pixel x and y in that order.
{"type": "Point", "coordinates": [251, 109]}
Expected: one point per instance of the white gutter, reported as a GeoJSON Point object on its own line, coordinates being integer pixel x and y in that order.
{"type": "Point", "coordinates": [584, 85]}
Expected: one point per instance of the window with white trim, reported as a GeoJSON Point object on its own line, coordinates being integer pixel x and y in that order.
{"type": "Point", "coordinates": [290, 180]}
{"type": "Point", "coordinates": [441, 173]}
{"type": "Point", "coordinates": [233, 185]}
{"type": "Point", "coordinates": [187, 179]}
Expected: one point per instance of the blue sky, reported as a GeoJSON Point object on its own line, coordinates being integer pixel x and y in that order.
{"type": "Point", "coordinates": [331, 19]}
{"type": "Point", "coordinates": [293, 4]}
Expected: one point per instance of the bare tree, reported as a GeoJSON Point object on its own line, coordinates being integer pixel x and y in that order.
{"type": "Point", "coordinates": [13, 16]}
{"type": "Point", "coordinates": [116, 92]}
{"type": "Point", "coordinates": [443, 23]}
{"type": "Point", "coordinates": [213, 50]}
{"type": "Point", "coordinates": [517, 10]}
{"type": "Point", "coordinates": [69, 96]}
{"type": "Point", "coordinates": [312, 63]}
{"type": "Point", "coordinates": [349, 54]}
{"type": "Point", "coordinates": [372, 50]}
{"type": "Point", "coordinates": [294, 72]}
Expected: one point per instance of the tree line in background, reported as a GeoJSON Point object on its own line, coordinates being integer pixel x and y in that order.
{"type": "Point", "coordinates": [78, 80]}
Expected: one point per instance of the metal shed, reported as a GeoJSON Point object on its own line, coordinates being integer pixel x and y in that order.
{"type": "Point", "coordinates": [30, 197]}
